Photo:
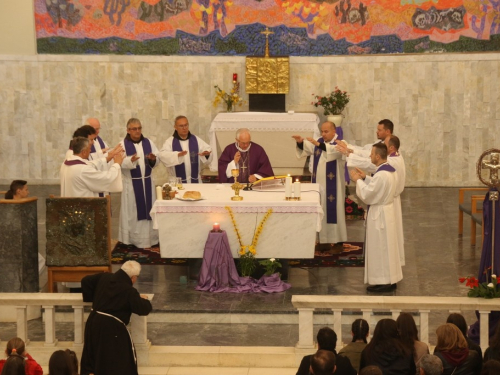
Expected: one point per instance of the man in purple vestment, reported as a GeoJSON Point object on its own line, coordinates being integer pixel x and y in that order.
{"type": "Point", "coordinates": [247, 156]}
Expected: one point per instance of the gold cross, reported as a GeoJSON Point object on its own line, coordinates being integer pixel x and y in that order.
{"type": "Point", "coordinates": [267, 33]}
{"type": "Point", "coordinates": [331, 198]}
{"type": "Point", "coordinates": [331, 176]}
{"type": "Point", "coordinates": [318, 152]}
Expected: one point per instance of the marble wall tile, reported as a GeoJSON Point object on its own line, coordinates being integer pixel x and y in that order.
{"type": "Point", "coordinates": [444, 106]}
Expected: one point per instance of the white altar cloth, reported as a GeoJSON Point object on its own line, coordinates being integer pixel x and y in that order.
{"type": "Point", "coordinates": [273, 131]}
{"type": "Point", "coordinates": [290, 231]}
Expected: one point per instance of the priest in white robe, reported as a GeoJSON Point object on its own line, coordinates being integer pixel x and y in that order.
{"type": "Point", "coordinates": [99, 148]}
{"type": "Point", "coordinates": [382, 261]}
{"type": "Point", "coordinates": [80, 178]}
{"type": "Point", "coordinates": [385, 128]}
{"type": "Point", "coordinates": [184, 154]}
{"type": "Point", "coordinates": [396, 160]}
{"type": "Point", "coordinates": [136, 226]}
{"type": "Point", "coordinates": [328, 172]}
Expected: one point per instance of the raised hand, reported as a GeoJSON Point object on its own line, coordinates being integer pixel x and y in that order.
{"type": "Point", "coordinates": [182, 153]}
{"type": "Point", "coordinates": [118, 157]}
{"type": "Point", "coordinates": [134, 158]}
{"type": "Point", "coordinates": [151, 156]}
{"type": "Point", "coordinates": [237, 157]}
{"type": "Point", "coordinates": [298, 138]}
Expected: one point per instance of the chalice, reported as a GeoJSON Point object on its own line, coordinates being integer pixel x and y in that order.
{"type": "Point", "coordinates": [236, 186]}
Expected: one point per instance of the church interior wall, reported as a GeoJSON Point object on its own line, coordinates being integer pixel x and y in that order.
{"type": "Point", "coordinates": [444, 106]}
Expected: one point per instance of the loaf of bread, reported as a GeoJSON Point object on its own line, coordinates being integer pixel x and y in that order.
{"type": "Point", "coordinates": [192, 195]}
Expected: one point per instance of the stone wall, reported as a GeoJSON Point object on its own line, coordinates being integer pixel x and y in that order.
{"type": "Point", "coordinates": [445, 107]}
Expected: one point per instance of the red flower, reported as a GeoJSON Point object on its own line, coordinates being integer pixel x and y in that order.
{"type": "Point", "coordinates": [348, 209]}
{"type": "Point", "coordinates": [348, 201]}
{"type": "Point", "coordinates": [462, 279]}
{"type": "Point", "coordinates": [472, 282]}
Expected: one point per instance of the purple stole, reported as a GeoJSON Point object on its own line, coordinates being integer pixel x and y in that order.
{"type": "Point", "coordinates": [180, 170]}
{"type": "Point", "coordinates": [101, 142]}
{"type": "Point", "coordinates": [143, 199]}
{"type": "Point", "coordinates": [331, 184]}
{"type": "Point", "coordinates": [74, 162]}
{"type": "Point", "coordinates": [385, 167]}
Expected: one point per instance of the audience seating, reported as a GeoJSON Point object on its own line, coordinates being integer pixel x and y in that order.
{"type": "Point", "coordinates": [472, 205]}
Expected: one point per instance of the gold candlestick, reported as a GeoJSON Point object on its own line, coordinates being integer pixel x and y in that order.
{"type": "Point", "coordinates": [236, 186]}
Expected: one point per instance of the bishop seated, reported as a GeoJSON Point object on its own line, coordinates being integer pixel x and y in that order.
{"type": "Point", "coordinates": [247, 156]}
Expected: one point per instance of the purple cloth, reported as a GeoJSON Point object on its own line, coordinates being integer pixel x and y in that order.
{"type": "Point", "coordinates": [101, 143]}
{"type": "Point", "coordinates": [259, 162]}
{"type": "Point", "coordinates": [73, 162]}
{"type": "Point", "coordinates": [143, 198]}
{"type": "Point", "coordinates": [340, 136]}
{"type": "Point", "coordinates": [494, 316]}
{"type": "Point", "coordinates": [331, 183]}
{"type": "Point", "coordinates": [218, 272]}
{"type": "Point", "coordinates": [180, 170]}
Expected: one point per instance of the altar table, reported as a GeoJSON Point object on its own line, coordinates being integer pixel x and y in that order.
{"type": "Point", "coordinates": [290, 231]}
{"type": "Point", "coordinates": [273, 131]}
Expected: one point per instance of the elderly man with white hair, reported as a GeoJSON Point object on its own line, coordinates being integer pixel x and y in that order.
{"type": "Point", "coordinates": [114, 299]}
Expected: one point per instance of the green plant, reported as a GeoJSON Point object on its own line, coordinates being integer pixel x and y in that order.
{"type": "Point", "coordinates": [271, 265]}
{"type": "Point", "coordinates": [484, 290]}
{"type": "Point", "coordinates": [334, 103]}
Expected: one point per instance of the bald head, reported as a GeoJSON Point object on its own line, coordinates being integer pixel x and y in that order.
{"type": "Point", "coordinates": [95, 124]}
{"type": "Point", "coordinates": [328, 131]}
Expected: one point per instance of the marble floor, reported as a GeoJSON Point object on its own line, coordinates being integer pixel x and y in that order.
{"type": "Point", "coordinates": [435, 258]}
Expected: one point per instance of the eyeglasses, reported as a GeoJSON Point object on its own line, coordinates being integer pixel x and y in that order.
{"type": "Point", "coordinates": [135, 129]}
{"type": "Point", "coordinates": [183, 126]}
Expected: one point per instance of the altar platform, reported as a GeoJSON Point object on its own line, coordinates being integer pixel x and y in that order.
{"type": "Point", "coordinates": [435, 258]}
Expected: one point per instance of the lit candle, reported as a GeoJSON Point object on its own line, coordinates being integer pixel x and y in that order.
{"type": "Point", "coordinates": [216, 227]}
{"type": "Point", "coordinates": [235, 77]}
{"type": "Point", "coordinates": [159, 195]}
{"type": "Point", "coordinates": [296, 189]}
{"type": "Point", "coordinates": [288, 187]}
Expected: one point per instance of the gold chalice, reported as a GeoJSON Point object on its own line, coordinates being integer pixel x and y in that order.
{"type": "Point", "coordinates": [236, 186]}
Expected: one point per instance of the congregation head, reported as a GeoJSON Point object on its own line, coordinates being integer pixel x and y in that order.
{"type": "Point", "coordinates": [328, 131]}
{"type": "Point", "coordinates": [371, 370]}
{"type": "Point", "coordinates": [60, 363]}
{"type": "Point", "coordinates": [323, 363]}
{"type": "Point", "coordinates": [430, 365]}
{"type": "Point", "coordinates": [18, 190]}
{"type": "Point", "coordinates": [181, 126]}
{"type": "Point", "coordinates": [74, 361]}
{"type": "Point", "coordinates": [132, 269]}
{"type": "Point", "coordinates": [15, 346]}
{"type": "Point", "coordinates": [459, 321]}
{"type": "Point", "coordinates": [406, 327]}
{"type": "Point", "coordinates": [243, 138]}
{"type": "Point", "coordinates": [360, 330]}
{"type": "Point", "coordinates": [491, 367]}
{"type": "Point", "coordinates": [81, 146]}
{"type": "Point", "coordinates": [449, 337]}
{"type": "Point", "coordinates": [327, 339]}
{"type": "Point", "coordinates": [14, 365]}
{"type": "Point", "coordinates": [134, 129]}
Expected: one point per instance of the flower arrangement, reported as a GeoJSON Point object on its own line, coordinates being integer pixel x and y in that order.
{"type": "Point", "coordinates": [334, 103]}
{"type": "Point", "coordinates": [247, 253]}
{"type": "Point", "coordinates": [231, 99]}
{"type": "Point", "coordinates": [271, 265]}
{"type": "Point", "coordinates": [485, 290]}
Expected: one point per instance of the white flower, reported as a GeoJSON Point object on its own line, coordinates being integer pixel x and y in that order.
{"type": "Point", "coordinates": [493, 276]}
{"type": "Point", "coordinates": [272, 259]}
{"type": "Point", "coordinates": [490, 285]}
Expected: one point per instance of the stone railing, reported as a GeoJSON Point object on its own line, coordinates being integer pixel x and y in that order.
{"type": "Point", "coordinates": [395, 304]}
{"type": "Point", "coordinates": [49, 301]}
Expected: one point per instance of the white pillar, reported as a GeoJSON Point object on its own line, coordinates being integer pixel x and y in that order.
{"type": "Point", "coordinates": [484, 335]}
{"type": "Point", "coordinates": [306, 340]}
{"type": "Point", "coordinates": [395, 313]}
{"type": "Point", "coordinates": [22, 323]}
{"type": "Point", "coordinates": [139, 330]}
{"type": "Point", "coordinates": [78, 325]}
{"type": "Point", "coordinates": [337, 326]}
{"type": "Point", "coordinates": [424, 326]}
{"type": "Point", "coordinates": [50, 326]}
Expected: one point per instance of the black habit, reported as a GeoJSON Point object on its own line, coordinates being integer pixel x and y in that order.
{"type": "Point", "coordinates": [108, 348]}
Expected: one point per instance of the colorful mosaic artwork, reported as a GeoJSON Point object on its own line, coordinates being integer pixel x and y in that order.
{"type": "Point", "coordinates": [233, 27]}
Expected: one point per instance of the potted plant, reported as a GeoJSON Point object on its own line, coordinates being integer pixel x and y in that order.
{"type": "Point", "coordinates": [333, 105]}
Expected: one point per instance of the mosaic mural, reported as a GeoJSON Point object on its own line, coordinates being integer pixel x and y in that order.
{"type": "Point", "coordinates": [233, 27]}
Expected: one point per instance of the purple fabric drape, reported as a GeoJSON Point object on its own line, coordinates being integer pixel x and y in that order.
{"type": "Point", "coordinates": [101, 143]}
{"type": "Point", "coordinates": [340, 136]}
{"type": "Point", "coordinates": [218, 272]}
{"type": "Point", "coordinates": [494, 316]}
{"type": "Point", "coordinates": [73, 162]}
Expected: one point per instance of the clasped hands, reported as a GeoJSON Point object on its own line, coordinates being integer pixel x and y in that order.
{"type": "Point", "coordinates": [357, 174]}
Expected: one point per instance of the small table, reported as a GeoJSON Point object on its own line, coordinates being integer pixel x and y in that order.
{"type": "Point", "coordinates": [290, 231]}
